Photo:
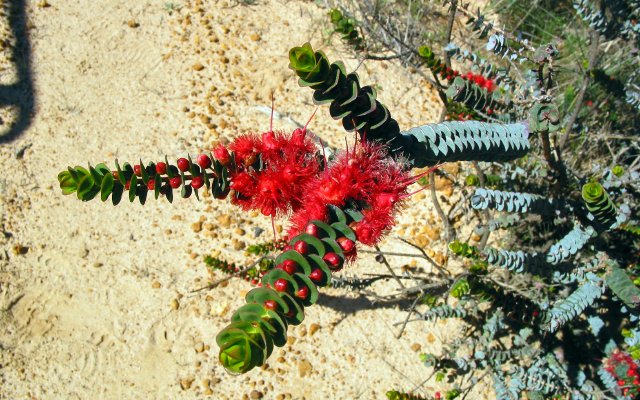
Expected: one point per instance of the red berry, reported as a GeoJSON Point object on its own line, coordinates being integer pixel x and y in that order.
{"type": "Point", "coordinates": [333, 261]}
{"type": "Point", "coordinates": [303, 293]}
{"type": "Point", "coordinates": [281, 285]}
{"type": "Point", "coordinates": [287, 248]}
{"type": "Point", "coordinates": [312, 230]}
{"type": "Point", "coordinates": [346, 244]}
{"type": "Point", "coordinates": [137, 170]}
{"type": "Point", "coordinates": [161, 168]}
{"type": "Point", "coordinates": [621, 382]}
{"type": "Point", "coordinates": [204, 161]}
{"type": "Point", "coordinates": [289, 266]}
{"type": "Point", "coordinates": [115, 174]}
{"type": "Point", "coordinates": [183, 164]}
{"type": "Point", "coordinates": [151, 184]}
{"type": "Point", "coordinates": [175, 182]}
{"type": "Point", "coordinates": [197, 182]}
{"type": "Point", "coordinates": [270, 304]}
{"type": "Point", "coordinates": [222, 154]}
{"type": "Point", "coordinates": [316, 275]}
{"type": "Point", "coordinates": [301, 247]}
{"type": "Point", "coordinates": [438, 396]}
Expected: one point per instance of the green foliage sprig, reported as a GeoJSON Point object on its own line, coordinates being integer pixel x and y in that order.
{"type": "Point", "coordinates": [356, 106]}
{"type": "Point", "coordinates": [476, 97]}
{"type": "Point", "coordinates": [262, 323]}
{"type": "Point", "coordinates": [159, 178]}
{"type": "Point", "coordinates": [599, 204]}
{"type": "Point", "coordinates": [347, 27]}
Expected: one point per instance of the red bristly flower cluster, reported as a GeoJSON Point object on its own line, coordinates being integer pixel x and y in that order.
{"type": "Point", "coordinates": [449, 74]}
{"type": "Point", "coordinates": [364, 176]}
{"type": "Point", "coordinates": [278, 173]}
{"type": "Point", "coordinates": [271, 170]}
{"type": "Point", "coordinates": [625, 370]}
{"type": "Point", "coordinates": [481, 81]}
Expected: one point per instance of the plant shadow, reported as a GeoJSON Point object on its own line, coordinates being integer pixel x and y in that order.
{"type": "Point", "coordinates": [19, 94]}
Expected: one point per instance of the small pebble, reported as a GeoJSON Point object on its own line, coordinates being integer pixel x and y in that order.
{"type": "Point", "coordinates": [197, 67]}
{"type": "Point", "coordinates": [186, 383]}
{"type": "Point", "coordinates": [255, 394]}
{"type": "Point", "coordinates": [156, 285]}
{"type": "Point", "coordinates": [313, 328]}
{"type": "Point", "coordinates": [175, 304]}
{"type": "Point", "coordinates": [304, 368]}
{"type": "Point", "coordinates": [254, 37]}
{"type": "Point", "coordinates": [196, 226]}
{"type": "Point", "coordinates": [20, 250]}
{"type": "Point", "coordinates": [416, 347]}
{"type": "Point", "coordinates": [199, 347]}
{"type": "Point", "coordinates": [132, 23]}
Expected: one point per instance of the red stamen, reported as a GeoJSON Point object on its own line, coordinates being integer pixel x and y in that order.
{"type": "Point", "coordinates": [310, 118]}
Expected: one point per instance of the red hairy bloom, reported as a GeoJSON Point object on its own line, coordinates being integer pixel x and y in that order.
{"type": "Point", "coordinates": [287, 163]}
{"type": "Point", "coordinates": [364, 176]}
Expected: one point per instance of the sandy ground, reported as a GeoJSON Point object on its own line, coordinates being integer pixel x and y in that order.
{"type": "Point", "coordinates": [95, 300]}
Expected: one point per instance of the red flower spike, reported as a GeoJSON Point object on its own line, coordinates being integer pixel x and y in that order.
{"type": "Point", "coordinates": [303, 293]}
{"type": "Point", "coordinates": [316, 275]}
{"type": "Point", "coordinates": [183, 164]}
{"type": "Point", "coordinates": [281, 285]}
{"type": "Point", "coordinates": [271, 305]}
{"type": "Point", "coordinates": [301, 247]}
{"type": "Point", "coordinates": [175, 182]}
{"type": "Point", "coordinates": [204, 161]}
{"type": "Point", "coordinates": [137, 170]}
{"type": "Point", "coordinates": [333, 261]}
{"type": "Point", "coordinates": [161, 168]}
{"type": "Point", "coordinates": [197, 182]}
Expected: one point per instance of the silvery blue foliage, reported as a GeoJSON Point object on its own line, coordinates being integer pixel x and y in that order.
{"type": "Point", "coordinates": [502, 222]}
{"type": "Point", "coordinates": [566, 309]}
{"type": "Point", "coordinates": [445, 311]}
{"type": "Point", "coordinates": [611, 18]}
{"type": "Point", "coordinates": [497, 44]}
{"type": "Point", "coordinates": [512, 202]}
{"type": "Point", "coordinates": [608, 380]}
{"type": "Point", "coordinates": [485, 67]}
{"type": "Point", "coordinates": [466, 141]}
{"type": "Point", "coordinates": [633, 98]}
{"type": "Point", "coordinates": [595, 323]}
{"type": "Point", "coordinates": [570, 244]}
{"type": "Point", "coordinates": [516, 261]}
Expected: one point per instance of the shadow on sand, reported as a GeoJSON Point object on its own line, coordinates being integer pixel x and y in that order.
{"type": "Point", "coordinates": [20, 94]}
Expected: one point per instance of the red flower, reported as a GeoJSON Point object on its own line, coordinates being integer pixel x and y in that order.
{"type": "Point", "coordinates": [365, 176]}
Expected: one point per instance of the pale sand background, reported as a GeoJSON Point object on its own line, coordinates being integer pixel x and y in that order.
{"type": "Point", "coordinates": [99, 306]}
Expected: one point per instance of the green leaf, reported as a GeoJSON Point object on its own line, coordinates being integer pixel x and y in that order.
{"type": "Point", "coordinates": [85, 187]}
{"type": "Point", "coordinates": [106, 187]}
{"type": "Point", "coordinates": [133, 187]}
{"type": "Point", "coordinates": [67, 183]}
{"type": "Point", "coordinates": [157, 185]}
{"type": "Point", "coordinates": [143, 173]}
{"type": "Point", "coordinates": [116, 195]}
{"type": "Point", "coordinates": [121, 177]}
{"type": "Point", "coordinates": [302, 58]}
{"type": "Point", "coordinates": [620, 283]}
